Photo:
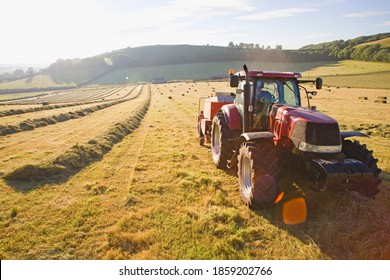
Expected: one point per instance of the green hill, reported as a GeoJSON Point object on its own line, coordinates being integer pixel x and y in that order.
{"type": "Point", "coordinates": [81, 71]}
{"type": "Point", "coordinates": [384, 43]}
{"type": "Point", "coordinates": [365, 48]}
{"type": "Point", "coordinates": [188, 62]}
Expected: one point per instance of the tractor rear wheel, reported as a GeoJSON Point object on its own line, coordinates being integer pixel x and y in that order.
{"type": "Point", "coordinates": [355, 150]}
{"type": "Point", "coordinates": [200, 134]}
{"type": "Point", "coordinates": [258, 171]}
{"type": "Point", "coordinates": [221, 147]}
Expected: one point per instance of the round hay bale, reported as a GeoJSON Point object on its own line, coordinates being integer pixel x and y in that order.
{"type": "Point", "coordinates": [363, 97]}
{"type": "Point", "coordinates": [382, 97]}
{"type": "Point", "coordinates": [380, 101]}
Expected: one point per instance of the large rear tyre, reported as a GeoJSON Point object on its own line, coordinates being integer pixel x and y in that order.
{"type": "Point", "coordinates": [355, 150]}
{"type": "Point", "coordinates": [258, 172]}
{"type": "Point", "coordinates": [221, 147]}
{"type": "Point", "coordinates": [200, 134]}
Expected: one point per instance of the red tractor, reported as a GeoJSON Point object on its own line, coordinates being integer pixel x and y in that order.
{"type": "Point", "coordinates": [263, 129]}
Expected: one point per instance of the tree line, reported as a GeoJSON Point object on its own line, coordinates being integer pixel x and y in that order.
{"type": "Point", "coordinates": [251, 46]}
{"type": "Point", "coordinates": [361, 48]}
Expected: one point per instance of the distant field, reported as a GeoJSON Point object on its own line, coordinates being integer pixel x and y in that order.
{"type": "Point", "coordinates": [20, 96]}
{"type": "Point", "coordinates": [385, 43]}
{"type": "Point", "coordinates": [39, 81]}
{"type": "Point", "coordinates": [351, 73]}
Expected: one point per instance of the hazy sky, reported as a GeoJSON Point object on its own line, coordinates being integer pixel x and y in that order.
{"type": "Point", "coordinates": [41, 31]}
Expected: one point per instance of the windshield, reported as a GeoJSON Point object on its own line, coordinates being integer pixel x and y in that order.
{"type": "Point", "coordinates": [277, 91]}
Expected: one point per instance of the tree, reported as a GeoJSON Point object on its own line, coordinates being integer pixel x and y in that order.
{"type": "Point", "coordinates": [30, 71]}
{"type": "Point", "coordinates": [278, 47]}
{"type": "Point", "coordinates": [19, 72]}
{"type": "Point", "coordinates": [231, 45]}
{"type": "Point", "coordinates": [382, 56]}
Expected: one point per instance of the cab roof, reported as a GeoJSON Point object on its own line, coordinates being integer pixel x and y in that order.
{"type": "Point", "coordinates": [270, 74]}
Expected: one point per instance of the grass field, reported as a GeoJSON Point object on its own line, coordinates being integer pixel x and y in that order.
{"type": "Point", "coordinates": [355, 74]}
{"type": "Point", "coordinates": [155, 193]}
{"type": "Point", "coordinates": [39, 81]}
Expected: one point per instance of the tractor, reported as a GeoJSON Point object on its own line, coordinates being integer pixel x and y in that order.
{"type": "Point", "coordinates": [263, 129]}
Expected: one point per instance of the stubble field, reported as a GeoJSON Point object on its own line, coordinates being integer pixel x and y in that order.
{"type": "Point", "coordinates": [130, 181]}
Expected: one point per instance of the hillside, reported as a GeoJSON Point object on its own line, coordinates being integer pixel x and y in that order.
{"type": "Point", "coordinates": [384, 43]}
{"type": "Point", "coordinates": [365, 48]}
{"type": "Point", "coordinates": [188, 62]}
{"type": "Point", "coordinates": [80, 71]}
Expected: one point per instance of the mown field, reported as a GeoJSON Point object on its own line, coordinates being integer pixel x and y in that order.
{"type": "Point", "coordinates": [130, 181]}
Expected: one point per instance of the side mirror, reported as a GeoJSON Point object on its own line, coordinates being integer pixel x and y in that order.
{"type": "Point", "coordinates": [318, 83]}
{"type": "Point", "coordinates": [234, 81]}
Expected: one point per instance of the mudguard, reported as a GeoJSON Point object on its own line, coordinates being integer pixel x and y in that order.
{"type": "Point", "coordinates": [232, 116]}
{"type": "Point", "coordinates": [248, 136]}
{"type": "Point", "coordinates": [347, 134]}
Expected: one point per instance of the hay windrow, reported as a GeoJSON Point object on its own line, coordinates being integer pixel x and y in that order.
{"type": "Point", "coordinates": [45, 106]}
{"type": "Point", "coordinates": [79, 156]}
{"type": "Point", "coordinates": [63, 117]}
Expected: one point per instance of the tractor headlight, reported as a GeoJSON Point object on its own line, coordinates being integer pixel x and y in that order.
{"type": "Point", "coordinates": [306, 147]}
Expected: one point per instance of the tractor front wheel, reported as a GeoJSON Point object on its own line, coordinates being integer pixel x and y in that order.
{"type": "Point", "coordinates": [355, 150]}
{"type": "Point", "coordinates": [258, 171]}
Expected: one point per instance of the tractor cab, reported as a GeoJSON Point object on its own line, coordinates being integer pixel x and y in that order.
{"type": "Point", "coordinates": [265, 89]}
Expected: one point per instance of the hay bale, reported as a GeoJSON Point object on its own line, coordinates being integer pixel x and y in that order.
{"type": "Point", "coordinates": [169, 97]}
{"type": "Point", "coordinates": [380, 101]}
{"type": "Point", "coordinates": [382, 97]}
{"type": "Point", "coordinates": [363, 97]}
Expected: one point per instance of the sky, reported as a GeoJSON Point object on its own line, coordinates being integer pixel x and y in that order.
{"type": "Point", "coordinates": [42, 31]}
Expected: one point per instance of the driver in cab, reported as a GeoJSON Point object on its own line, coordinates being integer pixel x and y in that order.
{"type": "Point", "coordinates": [263, 101]}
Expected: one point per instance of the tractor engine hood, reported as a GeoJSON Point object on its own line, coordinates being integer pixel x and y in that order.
{"type": "Point", "coordinates": [309, 130]}
{"type": "Point", "coordinates": [302, 114]}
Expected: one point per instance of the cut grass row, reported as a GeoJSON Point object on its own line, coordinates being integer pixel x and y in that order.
{"type": "Point", "coordinates": [78, 95]}
{"type": "Point", "coordinates": [31, 124]}
{"type": "Point", "coordinates": [46, 143]}
{"type": "Point", "coordinates": [18, 111]}
{"type": "Point", "coordinates": [79, 156]}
